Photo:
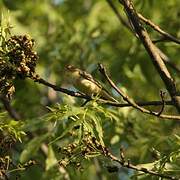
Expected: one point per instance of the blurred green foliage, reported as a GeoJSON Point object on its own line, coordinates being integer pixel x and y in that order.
{"type": "Point", "coordinates": [84, 33]}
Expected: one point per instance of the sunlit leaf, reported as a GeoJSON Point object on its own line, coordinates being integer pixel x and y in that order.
{"type": "Point", "coordinates": [51, 159]}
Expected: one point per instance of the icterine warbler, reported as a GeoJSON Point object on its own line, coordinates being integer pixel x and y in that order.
{"type": "Point", "coordinates": [85, 83]}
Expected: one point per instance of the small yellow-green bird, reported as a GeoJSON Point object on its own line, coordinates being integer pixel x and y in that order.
{"type": "Point", "coordinates": [85, 83]}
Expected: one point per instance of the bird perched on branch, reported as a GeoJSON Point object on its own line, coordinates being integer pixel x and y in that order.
{"type": "Point", "coordinates": [85, 83]}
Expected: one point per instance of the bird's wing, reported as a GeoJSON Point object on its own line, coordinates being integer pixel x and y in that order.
{"type": "Point", "coordinates": [89, 77]}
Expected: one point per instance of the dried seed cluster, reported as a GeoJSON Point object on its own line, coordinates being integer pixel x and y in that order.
{"type": "Point", "coordinates": [18, 60]}
{"type": "Point", "coordinates": [74, 154]}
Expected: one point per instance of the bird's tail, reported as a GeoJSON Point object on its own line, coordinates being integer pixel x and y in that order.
{"type": "Point", "coordinates": [105, 95]}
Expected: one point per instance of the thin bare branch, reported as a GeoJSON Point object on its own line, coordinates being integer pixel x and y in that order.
{"type": "Point", "coordinates": [139, 103]}
{"type": "Point", "coordinates": [158, 29]}
{"type": "Point", "coordinates": [162, 94]}
{"type": "Point", "coordinates": [153, 53]}
{"type": "Point", "coordinates": [140, 169]}
{"type": "Point", "coordinates": [80, 95]}
{"type": "Point", "coordinates": [12, 112]}
{"type": "Point", "coordinates": [133, 104]}
{"type": "Point", "coordinates": [105, 152]}
{"type": "Point", "coordinates": [163, 56]}
{"type": "Point", "coordinates": [60, 89]}
{"type": "Point", "coordinates": [168, 61]}
{"type": "Point", "coordinates": [130, 100]}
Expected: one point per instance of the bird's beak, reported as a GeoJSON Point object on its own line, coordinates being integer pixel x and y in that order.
{"type": "Point", "coordinates": [70, 68]}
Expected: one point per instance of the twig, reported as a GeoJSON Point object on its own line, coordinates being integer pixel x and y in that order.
{"type": "Point", "coordinates": [168, 61]}
{"type": "Point", "coordinates": [162, 94]}
{"type": "Point", "coordinates": [79, 95]}
{"type": "Point", "coordinates": [152, 51]}
{"type": "Point", "coordinates": [12, 112]}
{"type": "Point", "coordinates": [105, 152]}
{"type": "Point", "coordinates": [136, 168]}
{"type": "Point", "coordinates": [88, 98]}
{"type": "Point", "coordinates": [131, 101]}
{"type": "Point", "coordinates": [60, 89]}
{"type": "Point", "coordinates": [122, 156]}
{"type": "Point", "coordinates": [139, 103]}
{"type": "Point", "coordinates": [161, 39]}
{"type": "Point", "coordinates": [173, 66]}
{"type": "Point", "coordinates": [158, 29]}
{"type": "Point", "coordinates": [163, 56]}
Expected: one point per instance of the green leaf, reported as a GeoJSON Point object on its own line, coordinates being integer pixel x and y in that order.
{"type": "Point", "coordinates": [98, 125]}
{"type": "Point", "coordinates": [51, 158]}
{"type": "Point", "coordinates": [67, 130]}
{"type": "Point", "coordinates": [88, 127]}
{"type": "Point", "coordinates": [32, 147]}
